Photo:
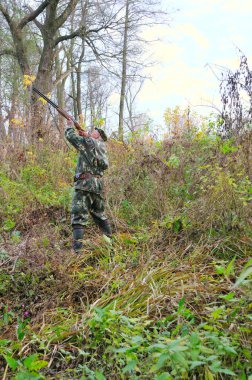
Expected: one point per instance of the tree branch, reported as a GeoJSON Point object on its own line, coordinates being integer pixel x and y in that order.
{"type": "Point", "coordinates": [5, 14]}
{"type": "Point", "coordinates": [36, 22]}
{"type": "Point", "coordinates": [30, 17]}
{"type": "Point", "coordinates": [64, 15]}
{"type": "Point", "coordinates": [62, 76]}
{"type": "Point", "coordinates": [81, 32]}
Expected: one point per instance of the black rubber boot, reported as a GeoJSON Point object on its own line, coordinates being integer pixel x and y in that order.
{"type": "Point", "coordinates": [104, 226]}
{"type": "Point", "coordinates": [78, 232]}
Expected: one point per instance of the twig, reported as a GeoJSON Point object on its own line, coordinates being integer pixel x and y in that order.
{"type": "Point", "coordinates": [5, 372]}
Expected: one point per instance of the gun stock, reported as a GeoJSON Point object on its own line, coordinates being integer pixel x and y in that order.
{"type": "Point", "coordinates": [69, 117]}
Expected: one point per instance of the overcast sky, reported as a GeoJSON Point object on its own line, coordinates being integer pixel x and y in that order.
{"type": "Point", "coordinates": [202, 32]}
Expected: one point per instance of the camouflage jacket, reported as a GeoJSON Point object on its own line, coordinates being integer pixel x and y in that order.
{"type": "Point", "coordinates": [92, 159]}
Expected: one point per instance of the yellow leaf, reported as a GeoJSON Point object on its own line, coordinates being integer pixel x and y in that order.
{"type": "Point", "coordinates": [42, 100]}
{"type": "Point", "coordinates": [17, 122]}
{"type": "Point", "coordinates": [28, 80]}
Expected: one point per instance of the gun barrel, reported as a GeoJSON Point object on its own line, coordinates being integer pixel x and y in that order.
{"type": "Point", "coordinates": [59, 109]}
{"type": "Point", "coordinates": [45, 97]}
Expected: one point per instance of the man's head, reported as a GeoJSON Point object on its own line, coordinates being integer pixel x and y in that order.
{"type": "Point", "coordinates": [95, 134]}
{"type": "Point", "coordinates": [101, 133]}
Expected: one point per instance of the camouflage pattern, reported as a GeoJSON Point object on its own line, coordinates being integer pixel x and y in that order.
{"type": "Point", "coordinates": [84, 203]}
{"type": "Point", "coordinates": [88, 195]}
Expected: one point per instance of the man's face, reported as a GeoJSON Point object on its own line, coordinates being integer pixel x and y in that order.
{"type": "Point", "coordinates": [95, 134]}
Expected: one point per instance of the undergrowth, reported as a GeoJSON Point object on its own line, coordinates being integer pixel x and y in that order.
{"type": "Point", "coordinates": [168, 298]}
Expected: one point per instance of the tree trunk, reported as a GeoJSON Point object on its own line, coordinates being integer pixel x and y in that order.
{"type": "Point", "coordinates": [20, 47]}
{"type": "Point", "coordinates": [124, 72]}
{"type": "Point", "coordinates": [44, 83]}
{"type": "Point", "coordinates": [74, 96]}
{"type": "Point", "coordinates": [84, 8]}
{"type": "Point", "coordinates": [78, 79]}
{"type": "Point", "coordinates": [60, 89]}
{"type": "Point", "coordinates": [2, 127]}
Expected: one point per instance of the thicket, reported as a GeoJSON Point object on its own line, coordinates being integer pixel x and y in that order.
{"type": "Point", "coordinates": [168, 298]}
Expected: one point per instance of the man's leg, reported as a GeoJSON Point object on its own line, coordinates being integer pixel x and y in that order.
{"type": "Point", "coordinates": [98, 214]}
{"type": "Point", "coordinates": [79, 218]}
{"type": "Point", "coordinates": [78, 233]}
{"type": "Point", "coordinates": [104, 225]}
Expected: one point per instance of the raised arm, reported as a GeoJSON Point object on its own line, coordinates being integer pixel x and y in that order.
{"type": "Point", "coordinates": [73, 137]}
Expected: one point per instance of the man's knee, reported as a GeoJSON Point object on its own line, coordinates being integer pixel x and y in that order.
{"type": "Point", "coordinates": [79, 211]}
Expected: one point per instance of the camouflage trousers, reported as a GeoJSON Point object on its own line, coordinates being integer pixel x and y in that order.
{"type": "Point", "coordinates": [85, 202]}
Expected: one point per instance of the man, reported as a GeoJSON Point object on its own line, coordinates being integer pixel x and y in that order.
{"type": "Point", "coordinates": [88, 183]}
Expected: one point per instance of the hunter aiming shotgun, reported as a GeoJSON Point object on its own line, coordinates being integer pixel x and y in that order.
{"type": "Point", "coordinates": [59, 109]}
{"type": "Point", "coordinates": [92, 161]}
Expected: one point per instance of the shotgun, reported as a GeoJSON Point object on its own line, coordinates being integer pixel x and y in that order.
{"type": "Point", "coordinates": [59, 109]}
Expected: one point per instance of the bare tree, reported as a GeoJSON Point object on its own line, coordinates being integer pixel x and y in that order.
{"type": "Point", "coordinates": [50, 17]}
{"type": "Point", "coordinates": [2, 127]}
{"type": "Point", "coordinates": [236, 97]}
{"type": "Point", "coordinates": [124, 70]}
{"type": "Point", "coordinates": [133, 89]}
{"type": "Point", "coordinates": [97, 92]}
{"type": "Point", "coordinates": [138, 14]}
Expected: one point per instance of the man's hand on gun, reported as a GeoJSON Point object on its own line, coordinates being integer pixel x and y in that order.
{"type": "Point", "coordinates": [70, 123]}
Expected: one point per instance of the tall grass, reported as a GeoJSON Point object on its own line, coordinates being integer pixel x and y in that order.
{"type": "Point", "coordinates": [168, 298]}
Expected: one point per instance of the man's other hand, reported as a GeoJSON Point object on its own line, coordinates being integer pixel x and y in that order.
{"type": "Point", "coordinates": [83, 133]}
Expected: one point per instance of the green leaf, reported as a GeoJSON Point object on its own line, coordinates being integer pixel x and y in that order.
{"type": "Point", "coordinates": [162, 360]}
{"type": "Point", "coordinates": [230, 349]}
{"type": "Point", "coordinates": [177, 348]}
{"type": "Point", "coordinates": [226, 371]}
{"type": "Point", "coordinates": [219, 269]}
{"type": "Point", "coordinates": [37, 365]}
{"type": "Point", "coordinates": [20, 331]}
{"type": "Point", "coordinates": [243, 377]}
{"type": "Point", "coordinates": [29, 360]}
{"type": "Point", "coordinates": [137, 339]}
{"type": "Point", "coordinates": [208, 375]}
{"type": "Point", "coordinates": [158, 346]}
{"type": "Point", "coordinates": [196, 363]}
{"type": "Point", "coordinates": [244, 274]}
{"type": "Point", "coordinates": [228, 296]}
{"type": "Point", "coordinates": [215, 367]}
{"type": "Point", "coordinates": [8, 224]}
{"type": "Point", "coordinates": [194, 339]}
{"type": "Point", "coordinates": [180, 359]}
{"type": "Point", "coordinates": [13, 364]}
{"type": "Point", "coordinates": [181, 304]}
{"type": "Point", "coordinates": [99, 376]}
{"type": "Point", "coordinates": [173, 161]}
{"type": "Point", "coordinates": [33, 364]}
{"type": "Point", "coordinates": [130, 366]}
{"type": "Point", "coordinates": [164, 376]}
{"type": "Point", "coordinates": [4, 342]}
{"type": "Point", "coordinates": [230, 268]}
{"type": "Point", "coordinates": [28, 376]}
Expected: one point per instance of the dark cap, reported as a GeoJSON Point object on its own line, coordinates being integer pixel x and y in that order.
{"type": "Point", "coordinates": [102, 133]}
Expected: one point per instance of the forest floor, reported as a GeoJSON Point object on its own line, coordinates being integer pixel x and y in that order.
{"type": "Point", "coordinates": [168, 298]}
{"type": "Point", "coordinates": [150, 304]}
